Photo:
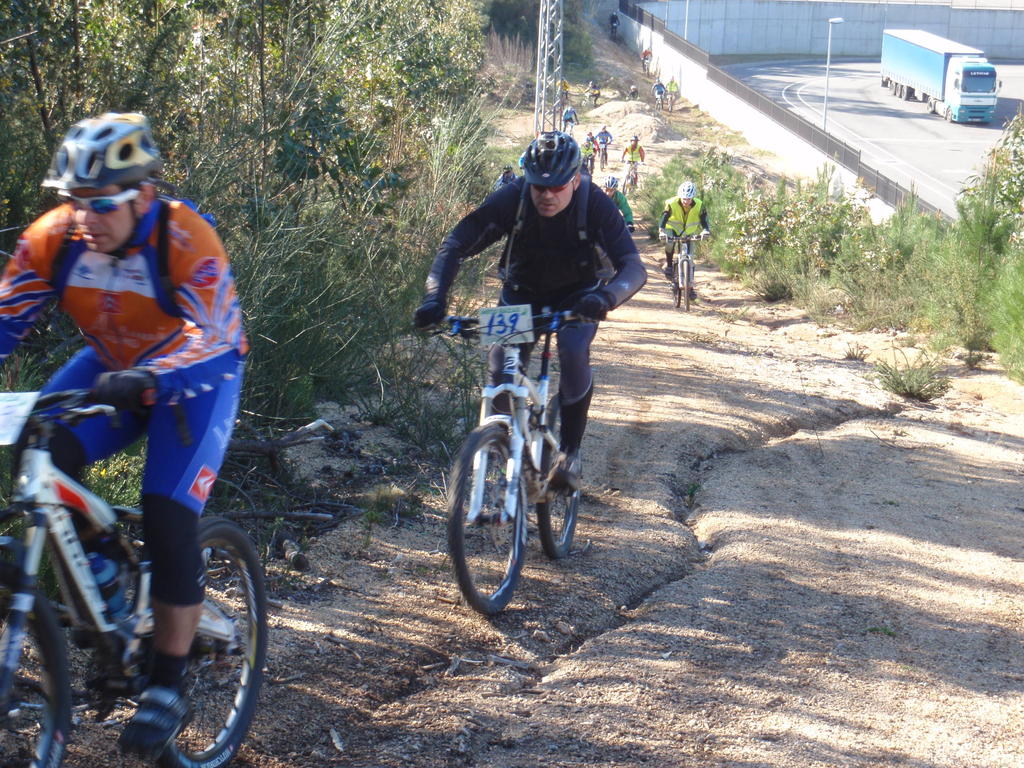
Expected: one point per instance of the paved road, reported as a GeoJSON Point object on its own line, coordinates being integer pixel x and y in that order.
{"type": "Point", "coordinates": [901, 139]}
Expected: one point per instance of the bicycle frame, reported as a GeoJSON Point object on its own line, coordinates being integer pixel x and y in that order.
{"type": "Point", "coordinates": [47, 496]}
{"type": "Point", "coordinates": [527, 424]}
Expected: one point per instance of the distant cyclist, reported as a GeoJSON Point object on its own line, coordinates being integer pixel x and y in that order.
{"type": "Point", "coordinates": [645, 60]}
{"type": "Point", "coordinates": [658, 90]}
{"type": "Point", "coordinates": [587, 153]}
{"type": "Point", "coordinates": [563, 90]}
{"type": "Point", "coordinates": [684, 214]}
{"type": "Point", "coordinates": [569, 119]}
{"type": "Point", "coordinates": [508, 175]}
{"type": "Point", "coordinates": [604, 138]}
{"type": "Point", "coordinates": [673, 92]}
{"type": "Point", "coordinates": [633, 153]}
{"type": "Point", "coordinates": [611, 188]}
{"type": "Point", "coordinates": [634, 93]}
{"type": "Point", "coordinates": [613, 24]}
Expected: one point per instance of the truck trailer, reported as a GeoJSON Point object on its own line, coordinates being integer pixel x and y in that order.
{"type": "Point", "coordinates": [955, 80]}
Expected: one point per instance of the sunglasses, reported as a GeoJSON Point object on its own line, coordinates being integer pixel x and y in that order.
{"type": "Point", "coordinates": [540, 189]}
{"type": "Point", "coordinates": [106, 204]}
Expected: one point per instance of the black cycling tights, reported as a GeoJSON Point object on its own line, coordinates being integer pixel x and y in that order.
{"type": "Point", "coordinates": [576, 385]}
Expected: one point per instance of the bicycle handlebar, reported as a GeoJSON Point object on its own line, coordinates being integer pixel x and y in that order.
{"type": "Point", "coordinates": [467, 326]}
{"type": "Point", "coordinates": [682, 238]}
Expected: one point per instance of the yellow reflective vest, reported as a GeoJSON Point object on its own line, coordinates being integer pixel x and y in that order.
{"type": "Point", "coordinates": [683, 222]}
{"type": "Point", "coordinates": [633, 154]}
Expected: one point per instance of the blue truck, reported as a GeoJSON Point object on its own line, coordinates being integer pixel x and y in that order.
{"type": "Point", "coordinates": [955, 80]}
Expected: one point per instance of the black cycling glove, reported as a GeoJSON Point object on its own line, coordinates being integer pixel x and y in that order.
{"type": "Point", "coordinates": [430, 312]}
{"type": "Point", "coordinates": [129, 390]}
{"type": "Point", "coordinates": [593, 305]}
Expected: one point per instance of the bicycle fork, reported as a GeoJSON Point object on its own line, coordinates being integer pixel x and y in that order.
{"type": "Point", "coordinates": [22, 603]}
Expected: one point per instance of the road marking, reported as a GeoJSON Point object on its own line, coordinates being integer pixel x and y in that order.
{"type": "Point", "coordinates": [937, 185]}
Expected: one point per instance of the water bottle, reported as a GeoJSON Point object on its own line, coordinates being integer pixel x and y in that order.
{"type": "Point", "coordinates": [107, 574]}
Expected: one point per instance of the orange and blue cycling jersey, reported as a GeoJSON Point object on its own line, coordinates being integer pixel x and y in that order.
{"type": "Point", "coordinates": [118, 302]}
{"type": "Point", "coordinates": [192, 341]}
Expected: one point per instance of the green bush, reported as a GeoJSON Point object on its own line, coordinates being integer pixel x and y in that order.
{"type": "Point", "coordinates": [1007, 313]}
{"type": "Point", "coordinates": [923, 379]}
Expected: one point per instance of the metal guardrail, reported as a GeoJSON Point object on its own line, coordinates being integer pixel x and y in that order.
{"type": "Point", "coordinates": [838, 151]}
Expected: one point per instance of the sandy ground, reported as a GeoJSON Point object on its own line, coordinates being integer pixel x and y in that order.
{"type": "Point", "coordinates": [779, 565]}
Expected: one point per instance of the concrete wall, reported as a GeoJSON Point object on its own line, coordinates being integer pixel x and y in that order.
{"type": "Point", "coordinates": [799, 27]}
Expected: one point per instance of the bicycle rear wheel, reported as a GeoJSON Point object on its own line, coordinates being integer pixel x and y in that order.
{"type": "Point", "coordinates": [556, 517]}
{"type": "Point", "coordinates": [224, 679]}
{"type": "Point", "coordinates": [487, 553]}
{"type": "Point", "coordinates": [37, 733]}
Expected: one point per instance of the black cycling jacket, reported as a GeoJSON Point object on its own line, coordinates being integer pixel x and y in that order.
{"type": "Point", "coordinates": [548, 258]}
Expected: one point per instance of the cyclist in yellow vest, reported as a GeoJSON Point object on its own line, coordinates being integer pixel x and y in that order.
{"type": "Point", "coordinates": [684, 214]}
{"type": "Point", "coordinates": [673, 93]}
{"type": "Point", "coordinates": [633, 153]}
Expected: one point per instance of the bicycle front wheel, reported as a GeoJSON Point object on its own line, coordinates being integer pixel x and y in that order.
{"type": "Point", "coordinates": [677, 281]}
{"type": "Point", "coordinates": [687, 283]}
{"type": "Point", "coordinates": [36, 732]}
{"type": "Point", "coordinates": [224, 677]}
{"type": "Point", "coordinates": [487, 552]}
{"type": "Point", "coordinates": [556, 517]}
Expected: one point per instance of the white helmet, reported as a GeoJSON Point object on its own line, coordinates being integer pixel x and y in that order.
{"type": "Point", "coordinates": [687, 189]}
{"type": "Point", "coordinates": [612, 182]}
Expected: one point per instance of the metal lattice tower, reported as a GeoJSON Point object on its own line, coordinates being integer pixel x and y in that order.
{"type": "Point", "coordinates": [546, 103]}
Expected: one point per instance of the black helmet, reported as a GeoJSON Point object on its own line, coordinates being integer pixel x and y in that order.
{"type": "Point", "coordinates": [507, 168]}
{"type": "Point", "coordinates": [115, 148]}
{"type": "Point", "coordinates": [552, 160]}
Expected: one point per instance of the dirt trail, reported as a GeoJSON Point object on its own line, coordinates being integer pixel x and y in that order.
{"type": "Point", "coordinates": [781, 565]}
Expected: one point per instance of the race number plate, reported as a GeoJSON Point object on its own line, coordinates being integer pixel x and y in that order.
{"type": "Point", "coordinates": [514, 323]}
{"type": "Point", "coordinates": [14, 410]}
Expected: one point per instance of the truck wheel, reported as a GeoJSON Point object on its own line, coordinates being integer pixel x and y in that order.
{"type": "Point", "coordinates": [885, 82]}
{"type": "Point", "coordinates": [949, 115]}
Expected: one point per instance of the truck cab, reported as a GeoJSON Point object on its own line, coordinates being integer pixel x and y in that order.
{"type": "Point", "coordinates": [971, 91]}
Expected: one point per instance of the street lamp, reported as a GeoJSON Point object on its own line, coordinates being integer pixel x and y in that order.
{"type": "Point", "coordinates": [828, 62]}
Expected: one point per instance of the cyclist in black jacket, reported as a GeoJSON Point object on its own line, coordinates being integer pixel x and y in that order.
{"type": "Point", "coordinates": [568, 248]}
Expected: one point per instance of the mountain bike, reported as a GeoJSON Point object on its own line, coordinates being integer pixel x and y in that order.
{"type": "Point", "coordinates": [659, 102]}
{"type": "Point", "coordinates": [110, 613]}
{"type": "Point", "coordinates": [671, 101]}
{"type": "Point", "coordinates": [604, 156]}
{"type": "Point", "coordinates": [632, 178]}
{"type": "Point", "coordinates": [503, 466]}
{"type": "Point", "coordinates": [682, 277]}
{"type": "Point", "coordinates": [645, 62]}
{"type": "Point", "coordinates": [595, 94]}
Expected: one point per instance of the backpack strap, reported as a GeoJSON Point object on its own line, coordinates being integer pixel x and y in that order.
{"type": "Point", "coordinates": [60, 268]}
{"type": "Point", "coordinates": [581, 209]}
{"type": "Point", "coordinates": [164, 285]}
{"type": "Point", "coordinates": [517, 227]}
